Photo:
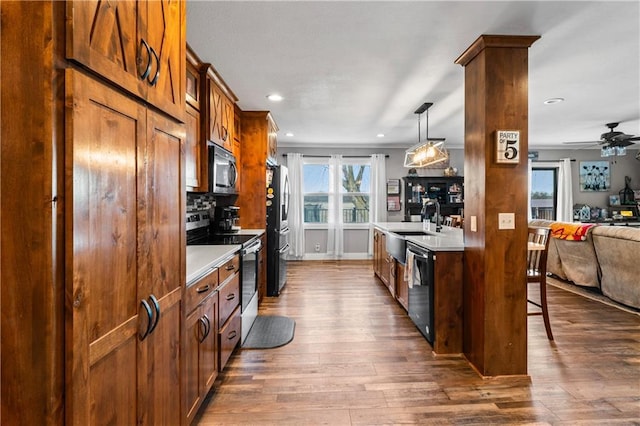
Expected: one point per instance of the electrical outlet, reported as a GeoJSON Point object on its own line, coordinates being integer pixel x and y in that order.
{"type": "Point", "coordinates": [317, 248]}
{"type": "Point", "coordinates": [506, 221]}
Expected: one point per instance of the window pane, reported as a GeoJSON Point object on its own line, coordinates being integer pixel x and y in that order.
{"type": "Point", "coordinates": [355, 178]}
{"type": "Point", "coordinates": [355, 208]}
{"type": "Point", "coordinates": [543, 194]}
{"type": "Point", "coordinates": [316, 178]}
{"type": "Point", "coordinates": [315, 208]}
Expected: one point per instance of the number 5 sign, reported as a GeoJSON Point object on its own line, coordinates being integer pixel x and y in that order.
{"type": "Point", "coordinates": [508, 146]}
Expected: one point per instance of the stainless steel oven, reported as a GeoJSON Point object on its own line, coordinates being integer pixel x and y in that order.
{"type": "Point", "coordinates": [250, 274]}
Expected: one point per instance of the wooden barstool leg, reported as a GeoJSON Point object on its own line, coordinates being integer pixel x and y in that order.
{"type": "Point", "coordinates": [543, 305]}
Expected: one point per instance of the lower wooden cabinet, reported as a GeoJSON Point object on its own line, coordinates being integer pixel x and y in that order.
{"type": "Point", "coordinates": [402, 286]}
{"type": "Point", "coordinates": [229, 336]}
{"type": "Point", "coordinates": [201, 345]}
{"type": "Point", "coordinates": [229, 320]}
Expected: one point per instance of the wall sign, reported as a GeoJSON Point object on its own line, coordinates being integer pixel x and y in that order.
{"type": "Point", "coordinates": [508, 146]}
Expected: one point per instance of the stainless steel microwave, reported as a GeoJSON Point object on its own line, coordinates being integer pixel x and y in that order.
{"type": "Point", "coordinates": [223, 172]}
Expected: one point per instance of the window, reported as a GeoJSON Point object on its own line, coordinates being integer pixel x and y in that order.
{"type": "Point", "coordinates": [544, 190]}
{"type": "Point", "coordinates": [353, 191]}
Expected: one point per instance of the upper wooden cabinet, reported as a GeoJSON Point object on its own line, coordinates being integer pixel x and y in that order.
{"type": "Point", "coordinates": [193, 89]}
{"type": "Point", "coordinates": [220, 102]}
{"type": "Point", "coordinates": [196, 171]}
{"type": "Point", "coordinates": [138, 45]}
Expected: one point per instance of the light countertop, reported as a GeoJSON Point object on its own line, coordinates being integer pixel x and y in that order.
{"type": "Point", "coordinates": [201, 259]}
{"type": "Point", "coordinates": [449, 239]}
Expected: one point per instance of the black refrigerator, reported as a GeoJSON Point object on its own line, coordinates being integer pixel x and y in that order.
{"type": "Point", "coordinates": [278, 194]}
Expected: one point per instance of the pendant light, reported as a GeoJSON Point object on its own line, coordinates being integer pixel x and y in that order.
{"type": "Point", "coordinates": [428, 152]}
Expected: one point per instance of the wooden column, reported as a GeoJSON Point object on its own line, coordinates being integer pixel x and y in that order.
{"type": "Point", "coordinates": [495, 303]}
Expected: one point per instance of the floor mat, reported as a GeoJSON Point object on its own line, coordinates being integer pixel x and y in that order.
{"type": "Point", "coordinates": [270, 331]}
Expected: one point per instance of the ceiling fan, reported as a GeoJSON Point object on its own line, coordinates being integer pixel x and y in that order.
{"type": "Point", "coordinates": [612, 138]}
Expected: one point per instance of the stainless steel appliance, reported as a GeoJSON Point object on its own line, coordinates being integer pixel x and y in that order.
{"type": "Point", "coordinates": [223, 173]}
{"type": "Point", "coordinates": [421, 291]}
{"type": "Point", "coordinates": [201, 232]}
{"type": "Point", "coordinates": [225, 219]}
{"type": "Point", "coordinates": [278, 194]}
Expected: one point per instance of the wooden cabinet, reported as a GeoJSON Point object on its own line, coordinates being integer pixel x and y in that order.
{"type": "Point", "coordinates": [219, 101]}
{"type": "Point", "coordinates": [201, 345]}
{"type": "Point", "coordinates": [229, 321]}
{"type": "Point", "coordinates": [125, 220]}
{"type": "Point", "coordinates": [196, 156]}
{"type": "Point", "coordinates": [259, 130]}
{"type": "Point", "coordinates": [382, 259]}
{"type": "Point", "coordinates": [140, 46]}
{"type": "Point", "coordinates": [449, 190]}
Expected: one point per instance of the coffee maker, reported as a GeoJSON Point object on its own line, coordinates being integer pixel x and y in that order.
{"type": "Point", "coordinates": [226, 219]}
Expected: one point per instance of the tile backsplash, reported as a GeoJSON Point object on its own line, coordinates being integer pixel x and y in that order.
{"type": "Point", "coordinates": [196, 201]}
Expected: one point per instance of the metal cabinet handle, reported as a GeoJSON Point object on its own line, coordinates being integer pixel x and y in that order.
{"type": "Point", "coordinates": [203, 289]}
{"type": "Point", "coordinates": [202, 330]}
{"type": "Point", "coordinates": [208, 327]}
{"type": "Point", "coordinates": [146, 72]}
{"type": "Point", "coordinates": [231, 296]}
{"type": "Point", "coordinates": [156, 306]}
{"type": "Point", "coordinates": [230, 267]}
{"type": "Point", "coordinates": [225, 134]}
{"type": "Point", "coordinates": [232, 335]}
{"type": "Point", "coordinates": [157, 74]}
{"type": "Point", "coordinates": [147, 308]}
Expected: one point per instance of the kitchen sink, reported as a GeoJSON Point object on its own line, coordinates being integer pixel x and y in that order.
{"type": "Point", "coordinates": [410, 233]}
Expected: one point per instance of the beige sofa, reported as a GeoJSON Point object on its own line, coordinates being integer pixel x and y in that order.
{"type": "Point", "coordinates": [608, 259]}
{"type": "Point", "coordinates": [618, 252]}
{"type": "Point", "coordinates": [574, 261]}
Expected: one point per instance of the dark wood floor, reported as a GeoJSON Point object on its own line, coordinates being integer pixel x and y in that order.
{"type": "Point", "coordinates": [357, 359]}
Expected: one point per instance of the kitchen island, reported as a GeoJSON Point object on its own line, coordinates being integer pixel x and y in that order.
{"type": "Point", "coordinates": [446, 287]}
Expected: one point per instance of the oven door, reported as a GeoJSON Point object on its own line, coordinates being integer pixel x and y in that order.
{"type": "Point", "coordinates": [250, 272]}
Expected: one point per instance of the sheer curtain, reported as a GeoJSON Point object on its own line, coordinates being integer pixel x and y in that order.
{"type": "Point", "coordinates": [296, 206]}
{"type": "Point", "coordinates": [335, 243]}
{"type": "Point", "coordinates": [378, 197]}
{"type": "Point", "coordinates": [565, 192]}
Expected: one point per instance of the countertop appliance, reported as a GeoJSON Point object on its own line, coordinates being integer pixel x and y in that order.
{"type": "Point", "coordinates": [201, 232]}
{"type": "Point", "coordinates": [225, 219]}
{"type": "Point", "coordinates": [420, 263]}
{"type": "Point", "coordinates": [223, 172]}
{"type": "Point", "coordinates": [277, 228]}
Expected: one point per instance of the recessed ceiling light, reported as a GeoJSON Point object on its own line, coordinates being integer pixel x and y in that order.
{"type": "Point", "coordinates": [288, 134]}
{"type": "Point", "coordinates": [380, 135]}
{"type": "Point", "coordinates": [275, 97]}
{"type": "Point", "coordinates": [551, 101]}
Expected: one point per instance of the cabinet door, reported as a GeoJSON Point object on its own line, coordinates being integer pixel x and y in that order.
{"type": "Point", "coordinates": [214, 116]}
{"type": "Point", "coordinates": [137, 45]}
{"type": "Point", "coordinates": [105, 133]}
{"type": "Point", "coordinates": [209, 345]}
{"type": "Point", "coordinates": [106, 36]}
{"type": "Point", "coordinates": [227, 123]}
{"type": "Point", "coordinates": [166, 34]}
{"type": "Point", "coordinates": [195, 330]}
{"type": "Point", "coordinates": [193, 150]}
{"type": "Point", "coordinates": [161, 267]}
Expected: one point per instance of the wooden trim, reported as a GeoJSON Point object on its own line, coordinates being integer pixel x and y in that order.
{"type": "Point", "coordinates": [210, 71]}
{"type": "Point", "coordinates": [487, 40]}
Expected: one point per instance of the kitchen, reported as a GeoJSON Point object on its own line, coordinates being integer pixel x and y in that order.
{"type": "Point", "coordinates": [74, 365]}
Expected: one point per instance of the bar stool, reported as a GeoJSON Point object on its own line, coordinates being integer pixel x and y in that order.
{"type": "Point", "coordinates": [537, 250]}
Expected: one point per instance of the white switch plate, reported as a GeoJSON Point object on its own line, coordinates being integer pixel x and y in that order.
{"type": "Point", "coordinates": [506, 221]}
{"type": "Point", "coordinates": [474, 224]}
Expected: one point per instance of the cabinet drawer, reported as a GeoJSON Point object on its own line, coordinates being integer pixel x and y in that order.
{"type": "Point", "coordinates": [229, 337]}
{"type": "Point", "coordinates": [202, 288]}
{"type": "Point", "coordinates": [229, 299]}
{"type": "Point", "coordinates": [229, 268]}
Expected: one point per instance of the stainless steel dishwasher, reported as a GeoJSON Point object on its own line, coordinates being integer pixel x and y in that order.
{"type": "Point", "coordinates": [421, 289]}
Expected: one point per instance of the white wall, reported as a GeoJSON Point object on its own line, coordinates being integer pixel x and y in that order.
{"type": "Point", "coordinates": [356, 242]}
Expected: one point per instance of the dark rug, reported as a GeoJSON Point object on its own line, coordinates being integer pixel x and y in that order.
{"type": "Point", "coordinates": [270, 331]}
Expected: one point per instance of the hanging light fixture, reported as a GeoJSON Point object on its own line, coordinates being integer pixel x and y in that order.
{"type": "Point", "coordinates": [428, 152]}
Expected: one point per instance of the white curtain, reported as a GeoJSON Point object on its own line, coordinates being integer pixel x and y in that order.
{"type": "Point", "coordinates": [335, 244]}
{"type": "Point", "coordinates": [565, 192]}
{"type": "Point", "coordinates": [378, 198]}
{"type": "Point", "coordinates": [296, 205]}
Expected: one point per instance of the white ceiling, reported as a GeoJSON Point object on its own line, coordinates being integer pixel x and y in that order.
{"type": "Point", "coordinates": [351, 70]}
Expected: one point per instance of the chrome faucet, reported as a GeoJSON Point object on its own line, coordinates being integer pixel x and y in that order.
{"type": "Point", "coordinates": [432, 202]}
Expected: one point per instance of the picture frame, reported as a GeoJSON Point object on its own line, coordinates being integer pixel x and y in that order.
{"type": "Point", "coordinates": [393, 186]}
{"type": "Point", "coordinates": [507, 146]}
{"type": "Point", "coordinates": [595, 176]}
{"type": "Point", "coordinates": [393, 203]}
{"type": "Point", "coordinates": [614, 200]}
